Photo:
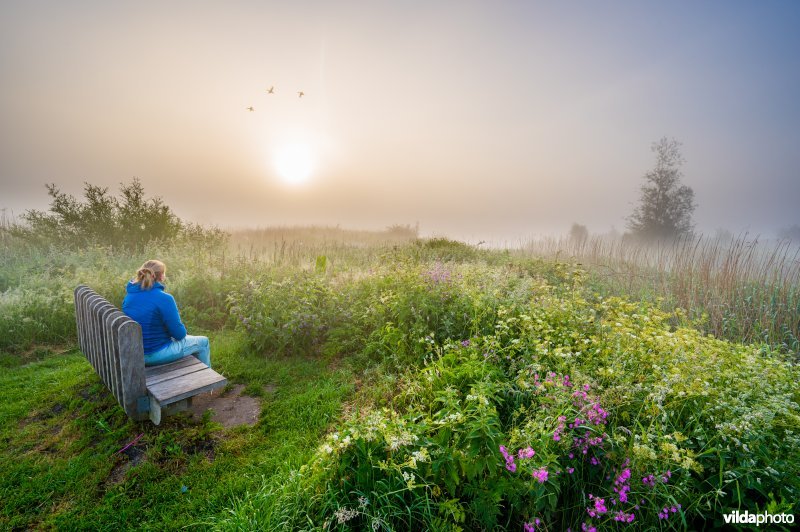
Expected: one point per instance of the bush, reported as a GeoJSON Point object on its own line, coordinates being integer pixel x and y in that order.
{"type": "Point", "coordinates": [573, 413]}
{"type": "Point", "coordinates": [129, 222]}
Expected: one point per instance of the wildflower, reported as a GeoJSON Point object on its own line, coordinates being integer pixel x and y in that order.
{"type": "Point", "coordinates": [666, 476]}
{"type": "Point", "coordinates": [421, 455]}
{"type": "Point", "coordinates": [621, 485]}
{"type": "Point", "coordinates": [526, 453]}
{"type": "Point", "coordinates": [541, 475]}
{"type": "Point", "coordinates": [599, 506]}
{"type": "Point", "coordinates": [623, 517]}
{"type": "Point", "coordinates": [465, 343]}
{"type": "Point", "coordinates": [345, 514]}
{"type": "Point", "coordinates": [531, 527]}
{"type": "Point", "coordinates": [649, 480]}
{"type": "Point", "coordinates": [570, 470]}
{"type": "Point", "coordinates": [510, 465]}
{"type": "Point", "coordinates": [363, 502]}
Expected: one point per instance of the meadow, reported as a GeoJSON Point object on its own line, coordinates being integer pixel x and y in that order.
{"type": "Point", "coordinates": [412, 384]}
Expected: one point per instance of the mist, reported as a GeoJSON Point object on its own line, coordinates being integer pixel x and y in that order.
{"type": "Point", "coordinates": [476, 121]}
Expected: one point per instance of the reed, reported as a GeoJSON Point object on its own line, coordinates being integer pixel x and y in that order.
{"type": "Point", "coordinates": [744, 289]}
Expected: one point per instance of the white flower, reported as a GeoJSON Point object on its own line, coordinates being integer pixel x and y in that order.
{"type": "Point", "coordinates": [345, 514]}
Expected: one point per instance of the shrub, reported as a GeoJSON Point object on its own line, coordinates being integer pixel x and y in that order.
{"type": "Point", "coordinates": [574, 413]}
{"type": "Point", "coordinates": [129, 222]}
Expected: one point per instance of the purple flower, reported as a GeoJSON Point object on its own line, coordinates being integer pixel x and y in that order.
{"type": "Point", "coordinates": [599, 507]}
{"type": "Point", "coordinates": [526, 453]}
{"type": "Point", "coordinates": [510, 465]}
{"type": "Point", "coordinates": [541, 475]}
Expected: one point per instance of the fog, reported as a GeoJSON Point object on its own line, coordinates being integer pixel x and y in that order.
{"type": "Point", "coordinates": [476, 120]}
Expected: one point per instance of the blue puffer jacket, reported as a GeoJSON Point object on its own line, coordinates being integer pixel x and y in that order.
{"type": "Point", "coordinates": [157, 313]}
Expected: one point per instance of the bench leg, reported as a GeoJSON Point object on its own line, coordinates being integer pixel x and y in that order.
{"type": "Point", "coordinates": [155, 411]}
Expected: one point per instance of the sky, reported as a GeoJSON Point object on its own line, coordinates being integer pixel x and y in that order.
{"type": "Point", "coordinates": [477, 120]}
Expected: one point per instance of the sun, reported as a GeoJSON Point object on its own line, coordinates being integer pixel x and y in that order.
{"type": "Point", "coordinates": [294, 163]}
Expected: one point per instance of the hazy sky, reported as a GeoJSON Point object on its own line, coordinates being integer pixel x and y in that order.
{"type": "Point", "coordinates": [494, 120]}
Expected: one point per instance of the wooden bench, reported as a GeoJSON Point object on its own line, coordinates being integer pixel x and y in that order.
{"type": "Point", "coordinates": [113, 344]}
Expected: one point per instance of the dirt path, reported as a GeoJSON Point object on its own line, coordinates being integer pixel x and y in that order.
{"type": "Point", "coordinates": [231, 409]}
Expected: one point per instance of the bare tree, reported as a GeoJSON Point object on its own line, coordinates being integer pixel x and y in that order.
{"type": "Point", "coordinates": [666, 206]}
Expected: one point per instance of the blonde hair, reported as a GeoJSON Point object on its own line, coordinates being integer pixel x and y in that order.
{"type": "Point", "coordinates": [146, 275]}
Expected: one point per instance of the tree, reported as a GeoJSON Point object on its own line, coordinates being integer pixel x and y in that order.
{"type": "Point", "coordinates": [578, 233]}
{"type": "Point", "coordinates": [129, 222]}
{"type": "Point", "coordinates": [666, 206]}
{"type": "Point", "coordinates": [790, 233]}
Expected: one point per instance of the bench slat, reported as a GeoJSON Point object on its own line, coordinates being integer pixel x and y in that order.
{"type": "Point", "coordinates": [184, 369]}
{"type": "Point", "coordinates": [129, 340]}
{"type": "Point", "coordinates": [173, 390]}
{"type": "Point", "coordinates": [151, 371]}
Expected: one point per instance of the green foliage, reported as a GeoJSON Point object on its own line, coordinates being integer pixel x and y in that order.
{"type": "Point", "coordinates": [128, 222]}
{"type": "Point", "coordinates": [446, 250]}
{"type": "Point", "coordinates": [668, 414]}
{"type": "Point", "coordinates": [463, 366]}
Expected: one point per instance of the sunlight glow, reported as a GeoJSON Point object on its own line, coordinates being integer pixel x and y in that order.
{"type": "Point", "coordinates": [293, 163]}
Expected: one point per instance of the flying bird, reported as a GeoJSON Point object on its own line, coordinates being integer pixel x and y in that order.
{"type": "Point", "coordinates": [300, 94]}
{"type": "Point", "coordinates": [250, 109]}
{"type": "Point", "coordinates": [271, 90]}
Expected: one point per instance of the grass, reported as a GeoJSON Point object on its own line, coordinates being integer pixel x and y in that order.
{"type": "Point", "coordinates": [432, 339]}
{"type": "Point", "coordinates": [61, 433]}
{"type": "Point", "coordinates": [742, 288]}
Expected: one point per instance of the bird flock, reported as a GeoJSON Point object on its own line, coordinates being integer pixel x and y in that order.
{"type": "Point", "coordinates": [271, 90]}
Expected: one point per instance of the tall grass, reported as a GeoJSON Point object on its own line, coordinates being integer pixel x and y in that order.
{"type": "Point", "coordinates": [743, 289]}
{"type": "Point", "coordinates": [295, 245]}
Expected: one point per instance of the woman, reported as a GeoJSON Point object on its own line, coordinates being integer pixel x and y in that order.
{"type": "Point", "coordinates": [163, 334]}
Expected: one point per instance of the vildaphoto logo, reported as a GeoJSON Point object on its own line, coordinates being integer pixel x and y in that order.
{"type": "Point", "coordinates": [746, 518]}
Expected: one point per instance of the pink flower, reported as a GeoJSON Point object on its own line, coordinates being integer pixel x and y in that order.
{"type": "Point", "coordinates": [541, 475]}
{"type": "Point", "coordinates": [526, 453]}
{"type": "Point", "coordinates": [510, 465]}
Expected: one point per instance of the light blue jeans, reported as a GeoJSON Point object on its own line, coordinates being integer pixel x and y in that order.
{"type": "Point", "coordinates": [196, 346]}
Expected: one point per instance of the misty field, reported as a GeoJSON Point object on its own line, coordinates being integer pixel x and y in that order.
{"type": "Point", "coordinates": [413, 384]}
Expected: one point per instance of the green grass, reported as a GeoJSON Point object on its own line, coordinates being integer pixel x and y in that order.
{"type": "Point", "coordinates": [440, 338]}
{"type": "Point", "coordinates": [61, 430]}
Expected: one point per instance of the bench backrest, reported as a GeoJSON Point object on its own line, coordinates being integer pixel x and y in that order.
{"type": "Point", "coordinates": [113, 344]}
